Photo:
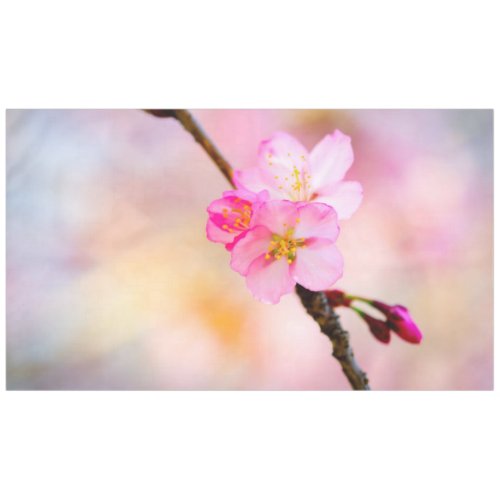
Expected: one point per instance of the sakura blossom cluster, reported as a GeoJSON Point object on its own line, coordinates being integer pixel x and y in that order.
{"type": "Point", "coordinates": [281, 222]}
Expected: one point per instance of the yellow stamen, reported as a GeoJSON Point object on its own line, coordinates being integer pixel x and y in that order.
{"type": "Point", "coordinates": [284, 246]}
{"type": "Point", "coordinates": [297, 186]}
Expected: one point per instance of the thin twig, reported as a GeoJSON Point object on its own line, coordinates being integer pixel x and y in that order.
{"type": "Point", "coordinates": [315, 303]}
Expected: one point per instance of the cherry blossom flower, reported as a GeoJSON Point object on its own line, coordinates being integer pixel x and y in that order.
{"type": "Point", "coordinates": [288, 243]}
{"type": "Point", "coordinates": [230, 216]}
{"type": "Point", "coordinates": [288, 171]}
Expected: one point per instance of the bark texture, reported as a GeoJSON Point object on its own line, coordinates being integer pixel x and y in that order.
{"type": "Point", "coordinates": [316, 304]}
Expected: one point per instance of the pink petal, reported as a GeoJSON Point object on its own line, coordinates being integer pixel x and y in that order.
{"type": "Point", "coordinates": [277, 182]}
{"type": "Point", "coordinates": [283, 167]}
{"type": "Point", "coordinates": [317, 220]}
{"type": "Point", "coordinates": [218, 235]}
{"type": "Point", "coordinates": [230, 245]}
{"type": "Point", "coordinates": [268, 280]}
{"type": "Point", "coordinates": [252, 245]}
{"type": "Point", "coordinates": [276, 215]}
{"type": "Point", "coordinates": [318, 265]}
{"type": "Point", "coordinates": [285, 151]}
{"type": "Point", "coordinates": [345, 197]}
{"type": "Point", "coordinates": [330, 159]}
{"type": "Point", "coordinates": [257, 179]}
{"type": "Point", "coordinates": [244, 194]}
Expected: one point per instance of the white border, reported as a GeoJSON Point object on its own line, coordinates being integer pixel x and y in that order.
{"type": "Point", "coordinates": [249, 445]}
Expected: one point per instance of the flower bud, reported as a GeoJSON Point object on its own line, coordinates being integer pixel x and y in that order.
{"type": "Point", "coordinates": [400, 321]}
{"type": "Point", "coordinates": [379, 328]}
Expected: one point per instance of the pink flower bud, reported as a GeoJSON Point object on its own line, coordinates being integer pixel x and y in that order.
{"type": "Point", "coordinates": [401, 323]}
{"type": "Point", "coordinates": [379, 328]}
{"type": "Point", "coordinates": [337, 298]}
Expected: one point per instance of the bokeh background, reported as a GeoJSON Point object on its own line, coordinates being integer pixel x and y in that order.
{"type": "Point", "coordinates": [111, 283]}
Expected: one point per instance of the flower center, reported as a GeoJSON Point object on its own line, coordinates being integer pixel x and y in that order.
{"type": "Point", "coordinates": [284, 246]}
{"type": "Point", "coordinates": [238, 217]}
{"type": "Point", "coordinates": [296, 185]}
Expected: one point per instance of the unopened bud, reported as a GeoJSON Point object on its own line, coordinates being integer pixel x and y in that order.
{"type": "Point", "coordinates": [380, 329]}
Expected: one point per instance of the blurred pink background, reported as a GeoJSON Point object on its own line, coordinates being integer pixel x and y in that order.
{"type": "Point", "coordinates": [111, 283]}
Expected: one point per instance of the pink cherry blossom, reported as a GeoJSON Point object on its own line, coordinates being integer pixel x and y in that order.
{"type": "Point", "coordinates": [288, 171]}
{"type": "Point", "coordinates": [288, 243]}
{"type": "Point", "coordinates": [230, 216]}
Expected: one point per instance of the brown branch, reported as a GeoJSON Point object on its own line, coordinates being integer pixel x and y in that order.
{"type": "Point", "coordinates": [315, 303]}
{"type": "Point", "coordinates": [317, 306]}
